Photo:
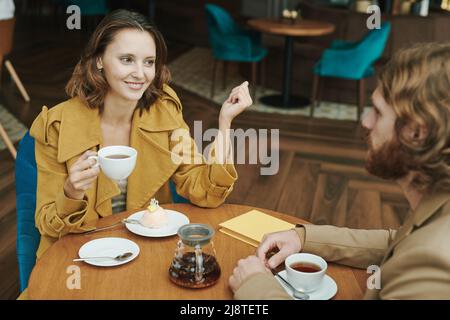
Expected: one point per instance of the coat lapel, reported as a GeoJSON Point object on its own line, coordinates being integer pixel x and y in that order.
{"type": "Point", "coordinates": [80, 131]}
{"type": "Point", "coordinates": [106, 189]}
{"type": "Point", "coordinates": [427, 207]}
{"type": "Point", "coordinates": [154, 164]}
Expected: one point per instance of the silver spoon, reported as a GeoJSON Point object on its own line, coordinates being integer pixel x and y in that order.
{"type": "Point", "coordinates": [296, 293]}
{"type": "Point", "coordinates": [132, 221]}
{"type": "Point", "coordinates": [120, 257]}
{"type": "Point", "coordinates": [124, 221]}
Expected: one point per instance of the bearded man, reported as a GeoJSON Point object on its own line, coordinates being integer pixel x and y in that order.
{"type": "Point", "coordinates": [408, 131]}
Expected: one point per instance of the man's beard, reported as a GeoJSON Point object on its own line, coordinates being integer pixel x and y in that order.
{"type": "Point", "coordinates": [389, 162]}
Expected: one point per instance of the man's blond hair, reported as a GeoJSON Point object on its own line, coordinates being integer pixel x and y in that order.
{"type": "Point", "coordinates": [416, 83]}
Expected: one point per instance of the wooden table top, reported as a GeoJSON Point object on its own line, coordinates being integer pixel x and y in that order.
{"type": "Point", "coordinates": [146, 277]}
{"type": "Point", "coordinates": [300, 28]}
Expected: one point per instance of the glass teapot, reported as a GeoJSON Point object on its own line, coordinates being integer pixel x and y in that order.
{"type": "Point", "coordinates": [194, 264]}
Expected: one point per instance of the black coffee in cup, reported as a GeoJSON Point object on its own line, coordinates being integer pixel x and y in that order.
{"type": "Point", "coordinates": [307, 267]}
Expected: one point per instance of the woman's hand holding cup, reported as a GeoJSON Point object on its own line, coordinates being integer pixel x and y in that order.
{"type": "Point", "coordinates": [82, 174]}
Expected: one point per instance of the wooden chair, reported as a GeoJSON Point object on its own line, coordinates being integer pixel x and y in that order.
{"type": "Point", "coordinates": [6, 40]}
{"type": "Point", "coordinates": [8, 141]}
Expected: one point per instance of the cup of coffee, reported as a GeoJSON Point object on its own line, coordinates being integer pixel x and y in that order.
{"type": "Point", "coordinates": [305, 271]}
{"type": "Point", "coordinates": [116, 162]}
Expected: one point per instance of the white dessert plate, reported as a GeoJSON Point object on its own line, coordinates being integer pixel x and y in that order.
{"type": "Point", "coordinates": [176, 220]}
{"type": "Point", "coordinates": [108, 247]}
{"type": "Point", "coordinates": [326, 291]}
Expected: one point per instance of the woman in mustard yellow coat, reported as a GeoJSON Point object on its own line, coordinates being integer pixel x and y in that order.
{"type": "Point", "coordinates": [120, 96]}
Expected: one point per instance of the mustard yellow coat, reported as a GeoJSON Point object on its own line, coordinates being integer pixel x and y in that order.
{"type": "Point", "coordinates": [64, 132]}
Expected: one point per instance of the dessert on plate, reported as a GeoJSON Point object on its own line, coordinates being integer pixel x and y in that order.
{"type": "Point", "coordinates": [155, 216]}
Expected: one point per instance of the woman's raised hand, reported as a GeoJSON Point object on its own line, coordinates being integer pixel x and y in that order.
{"type": "Point", "coordinates": [81, 176]}
{"type": "Point", "coordinates": [238, 100]}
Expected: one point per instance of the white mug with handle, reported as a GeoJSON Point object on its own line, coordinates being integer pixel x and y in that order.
{"type": "Point", "coordinates": [116, 162]}
{"type": "Point", "coordinates": [305, 271]}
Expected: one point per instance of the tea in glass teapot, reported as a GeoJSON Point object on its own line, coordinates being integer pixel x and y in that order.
{"type": "Point", "coordinates": [194, 264]}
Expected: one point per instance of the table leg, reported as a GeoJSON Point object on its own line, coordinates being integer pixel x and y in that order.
{"type": "Point", "coordinates": [286, 100]}
{"type": "Point", "coordinates": [151, 10]}
{"type": "Point", "coordinates": [287, 70]}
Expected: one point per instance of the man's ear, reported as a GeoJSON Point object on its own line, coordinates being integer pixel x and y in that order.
{"type": "Point", "coordinates": [415, 133]}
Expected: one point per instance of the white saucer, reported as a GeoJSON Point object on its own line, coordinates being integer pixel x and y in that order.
{"type": "Point", "coordinates": [176, 220]}
{"type": "Point", "coordinates": [108, 247]}
{"type": "Point", "coordinates": [326, 291]}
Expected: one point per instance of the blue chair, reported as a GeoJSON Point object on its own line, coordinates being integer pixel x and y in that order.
{"type": "Point", "coordinates": [231, 43]}
{"type": "Point", "coordinates": [91, 11]}
{"type": "Point", "coordinates": [351, 60]}
{"type": "Point", "coordinates": [28, 235]}
{"type": "Point", "coordinates": [176, 198]}
{"type": "Point", "coordinates": [87, 7]}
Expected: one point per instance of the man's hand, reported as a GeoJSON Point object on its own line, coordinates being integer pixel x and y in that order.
{"type": "Point", "coordinates": [244, 269]}
{"type": "Point", "coordinates": [287, 242]}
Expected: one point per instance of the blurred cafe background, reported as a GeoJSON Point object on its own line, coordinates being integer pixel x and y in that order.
{"type": "Point", "coordinates": [300, 85]}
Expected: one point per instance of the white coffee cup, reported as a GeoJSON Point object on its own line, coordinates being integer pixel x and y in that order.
{"type": "Point", "coordinates": [116, 162]}
{"type": "Point", "coordinates": [303, 280]}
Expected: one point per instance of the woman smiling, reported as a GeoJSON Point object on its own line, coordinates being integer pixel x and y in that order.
{"type": "Point", "coordinates": [120, 96]}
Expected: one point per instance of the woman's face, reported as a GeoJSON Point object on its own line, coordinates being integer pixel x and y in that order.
{"type": "Point", "coordinates": [129, 64]}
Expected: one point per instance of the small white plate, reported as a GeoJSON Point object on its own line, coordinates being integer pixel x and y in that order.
{"type": "Point", "coordinates": [108, 247]}
{"type": "Point", "coordinates": [326, 291]}
{"type": "Point", "coordinates": [176, 220]}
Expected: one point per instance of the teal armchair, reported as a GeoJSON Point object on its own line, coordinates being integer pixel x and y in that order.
{"type": "Point", "coordinates": [231, 43]}
{"type": "Point", "coordinates": [92, 11]}
{"type": "Point", "coordinates": [351, 61]}
{"type": "Point", "coordinates": [88, 7]}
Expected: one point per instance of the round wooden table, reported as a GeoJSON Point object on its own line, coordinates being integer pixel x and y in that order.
{"type": "Point", "coordinates": [289, 29]}
{"type": "Point", "coordinates": [146, 277]}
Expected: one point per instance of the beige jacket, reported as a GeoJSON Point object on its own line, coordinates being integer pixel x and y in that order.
{"type": "Point", "coordinates": [414, 261]}
{"type": "Point", "coordinates": [64, 132]}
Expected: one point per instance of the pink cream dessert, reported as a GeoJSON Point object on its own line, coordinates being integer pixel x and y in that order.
{"type": "Point", "coordinates": [155, 217]}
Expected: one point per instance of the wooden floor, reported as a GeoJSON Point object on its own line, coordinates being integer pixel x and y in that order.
{"type": "Point", "coordinates": [321, 174]}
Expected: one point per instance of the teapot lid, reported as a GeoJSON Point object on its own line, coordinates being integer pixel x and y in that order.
{"type": "Point", "coordinates": [193, 234]}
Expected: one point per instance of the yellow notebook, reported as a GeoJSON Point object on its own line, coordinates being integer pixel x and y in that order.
{"type": "Point", "coordinates": [250, 227]}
